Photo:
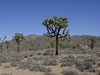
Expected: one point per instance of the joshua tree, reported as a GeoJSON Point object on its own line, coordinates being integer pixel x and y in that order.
{"type": "Point", "coordinates": [56, 27]}
{"type": "Point", "coordinates": [7, 45]}
{"type": "Point", "coordinates": [2, 40]}
{"type": "Point", "coordinates": [18, 38]}
{"type": "Point", "coordinates": [92, 42]}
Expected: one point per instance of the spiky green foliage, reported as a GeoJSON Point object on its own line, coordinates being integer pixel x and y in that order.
{"type": "Point", "coordinates": [56, 27]}
{"type": "Point", "coordinates": [7, 45]}
{"type": "Point", "coordinates": [18, 38]}
{"type": "Point", "coordinates": [2, 40]}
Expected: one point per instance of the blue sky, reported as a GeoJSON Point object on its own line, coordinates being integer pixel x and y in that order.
{"type": "Point", "coordinates": [26, 16]}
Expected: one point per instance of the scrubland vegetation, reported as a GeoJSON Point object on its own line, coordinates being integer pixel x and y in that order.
{"type": "Point", "coordinates": [77, 55]}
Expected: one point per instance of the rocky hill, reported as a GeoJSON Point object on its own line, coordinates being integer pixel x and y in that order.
{"type": "Point", "coordinates": [34, 42]}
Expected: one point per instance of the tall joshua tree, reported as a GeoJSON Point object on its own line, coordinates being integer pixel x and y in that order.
{"type": "Point", "coordinates": [56, 27]}
{"type": "Point", "coordinates": [7, 45]}
{"type": "Point", "coordinates": [18, 37]}
{"type": "Point", "coordinates": [2, 40]}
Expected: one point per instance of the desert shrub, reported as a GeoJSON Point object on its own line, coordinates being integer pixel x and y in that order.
{"type": "Point", "coordinates": [49, 73]}
{"type": "Point", "coordinates": [84, 66]}
{"type": "Point", "coordinates": [51, 44]}
{"type": "Point", "coordinates": [3, 59]}
{"type": "Point", "coordinates": [14, 64]}
{"type": "Point", "coordinates": [50, 62]}
{"type": "Point", "coordinates": [36, 57]}
{"type": "Point", "coordinates": [78, 46]}
{"type": "Point", "coordinates": [86, 73]}
{"type": "Point", "coordinates": [5, 73]}
{"type": "Point", "coordinates": [35, 46]}
{"type": "Point", "coordinates": [44, 69]}
{"type": "Point", "coordinates": [38, 53]}
{"type": "Point", "coordinates": [16, 55]}
{"type": "Point", "coordinates": [12, 59]}
{"type": "Point", "coordinates": [80, 67]}
{"type": "Point", "coordinates": [81, 57]}
{"type": "Point", "coordinates": [73, 47]}
{"type": "Point", "coordinates": [28, 54]}
{"type": "Point", "coordinates": [64, 64]}
{"type": "Point", "coordinates": [29, 60]}
{"type": "Point", "coordinates": [32, 46]}
{"type": "Point", "coordinates": [91, 59]}
{"type": "Point", "coordinates": [70, 71]}
{"type": "Point", "coordinates": [69, 59]}
{"type": "Point", "coordinates": [63, 59]}
{"type": "Point", "coordinates": [25, 56]}
{"type": "Point", "coordinates": [68, 45]}
{"type": "Point", "coordinates": [79, 60]}
{"type": "Point", "coordinates": [38, 67]}
{"type": "Point", "coordinates": [24, 65]}
{"type": "Point", "coordinates": [34, 67]}
{"type": "Point", "coordinates": [62, 45]}
{"type": "Point", "coordinates": [93, 69]}
{"type": "Point", "coordinates": [98, 64]}
{"type": "Point", "coordinates": [88, 65]}
{"type": "Point", "coordinates": [46, 53]}
{"type": "Point", "coordinates": [7, 66]}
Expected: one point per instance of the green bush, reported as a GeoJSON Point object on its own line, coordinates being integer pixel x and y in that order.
{"type": "Point", "coordinates": [62, 45]}
{"type": "Point", "coordinates": [73, 47]}
{"type": "Point", "coordinates": [78, 46]}
{"type": "Point", "coordinates": [51, 45]}
{"type": "Point", "coordinates": [50, 62]}
{"type": "Point", "coordinates": [71, 71]}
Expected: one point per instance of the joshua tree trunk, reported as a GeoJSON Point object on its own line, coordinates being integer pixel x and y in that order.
{"type": "Point", "coordinates": [8, 50]}
{"type": "Point", "coordinates": [18, 47]}
{"type": "Point", "coordinates": [1, 48]}
{"type": "Point", "coordinates": [57, 44]}
{"type": "Point", "coordinates": [92, 46]}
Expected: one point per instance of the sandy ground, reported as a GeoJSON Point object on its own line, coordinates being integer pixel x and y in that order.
{"type": "Point", "coordinates": [16, 71]}
{"type": "Point", "coordinates": [55, 69]}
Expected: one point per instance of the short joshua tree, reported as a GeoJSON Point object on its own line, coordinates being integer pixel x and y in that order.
{"type": "Point", "coordinates": [18, 38]}
{"type": "Point", "coordinates": [2, 40]}
{"type": "Point", "coordinates": [92, 42]}
{"type": "Point", "coordinates": [7, 45]}
{"type": "Point", "coordinates": [56, 27]}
